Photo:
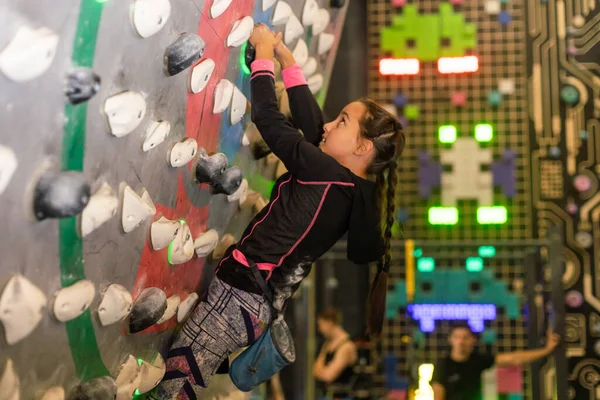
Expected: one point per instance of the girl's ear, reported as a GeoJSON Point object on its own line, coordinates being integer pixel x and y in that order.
{"type": "Point", "coordinates": [365, 146]}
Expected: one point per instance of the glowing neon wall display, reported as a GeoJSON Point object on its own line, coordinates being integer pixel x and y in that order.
{"type": "Point", "coordinates": [393, 66]}
{"type": "Point", "coordinates": [475, 314]}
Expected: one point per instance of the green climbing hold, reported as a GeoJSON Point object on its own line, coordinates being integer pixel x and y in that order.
{"type": "Point", "coordinates": [494, 98]}
{"type": "Point", "coordinates": [412, 112]}
{"type": "Point", "coordinates": [570, 95]}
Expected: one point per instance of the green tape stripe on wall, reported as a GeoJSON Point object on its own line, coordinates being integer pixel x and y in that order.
{"type": "Point", "coordinates": [80, 331]}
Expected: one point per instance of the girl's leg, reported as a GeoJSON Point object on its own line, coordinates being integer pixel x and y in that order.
{"type": "Point", "coordinates": [228, 320]}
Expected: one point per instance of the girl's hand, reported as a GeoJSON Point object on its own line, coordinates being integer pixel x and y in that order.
{"type": "Point", "coordinates": [284, 55]}
{"type": "Point", "coordinates": [264, 41]}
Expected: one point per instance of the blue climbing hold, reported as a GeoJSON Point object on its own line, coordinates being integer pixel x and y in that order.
{"type": "Point", "coordinates": [400, 100]}
{"type": "Point", "coordinates": [554, 152]}
{"type": "Point", "coordinates": [504, 17]}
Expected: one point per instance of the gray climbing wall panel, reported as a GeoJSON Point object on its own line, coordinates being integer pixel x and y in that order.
{"type": "Point", "coordinates": [46, 133]}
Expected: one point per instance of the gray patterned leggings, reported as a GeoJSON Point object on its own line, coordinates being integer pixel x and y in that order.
{"type": "Point", "coordinates": [229, 320]}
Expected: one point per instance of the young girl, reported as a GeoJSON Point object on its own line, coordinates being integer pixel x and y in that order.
{"type": "Point", "coordinates": [325, 194]}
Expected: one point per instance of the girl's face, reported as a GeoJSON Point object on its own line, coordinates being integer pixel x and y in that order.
{"type": "Point", "coordinates": [342, 137]}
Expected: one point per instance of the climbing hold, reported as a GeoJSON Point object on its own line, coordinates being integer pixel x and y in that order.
{"type": "Point", "coordinates": [245, 140]}
{"type": "Point", "coordinates": [172, 304]}
{"type": "Point", "coordinates": [459, 99]}
{"type": "Point", "coordinates": [218, 7]}
{"type": "Point", "coordinates": [293, 30]}
{"type": "Point", "coordinates": [183, 53]}
{"type": "Point", "coordinates": [309, 12]}
{"type": "Point", "coordinates": [135, 210]}
{"type": "Point", "coordinates": [101, 388]}
{"type": "Point", "coordinates": [240, 193]}
{"type": "Point", "coordinates": [400, 100]}
{"type": "Point", "coordinates": [572, 208]}
{"type": "Point", "coordinates": [238, 106]}
{"type": "Point", "coordinates": [163, 232]}
{"type": "Point", "coordinates": [506, 86]}
{"type": "Point", "coordinates": [209, 169]}
{"type": "Point", "coordinates": [504, 18]}
{"type": "Point", "coordinates": [54, 393]}
{"type": "Point", "coordinates": [21, 307]}
{"type": "Point", "coordinates": [249, 56]}
{"type": "Point", "coordinates": [60, 194]}
{"type": "Point", "coordinates": [570, 95]}
{"type": "Point", "coordinates": [573, 299]}
{"type": "Point", "coordinates": [282, 13]}
{"type": "Point", "coordinates": [223, 93]}
{"type": "Point", "coordinates": [226, 241]}
{"type": "Point", "coordinates": [115, 305]}
{"type": "Point", "coordinates": [183, 152]}
{"type": "Point", "coordinates": [584, 239]}
{"type": "Point", "coordinates": [322, 19]}
{"type": "Point", "coordinates": [582, 183]}
{"type": "Point", "coordinates": [102, 206]}
{"type": "Point", "coordinates": [266, 4]}
{"type": "Point", "coordinates": [9, 382]}
{"type": "Point", "coordinates": [147, 309]}
{"type": "Point", "coordinates": [152, 374]}
{"type": "Point", "coordinates": [206, 243]}
{"type": "Point", "coordinates": [82, 85]}
{"type": "Point", "coordinates": [29, 54]}
{"type": "Point", "coordinates": [494, 98]}
{"type": "Point", "coordinates": [554, 152]}
{"type": "Point", "coordinates": [156, 133]}
{"type": "Point", "coordinates": [229, 182]}
{"type": "Point", "coordinates": [150, 16]}
{"type": "Point", "coordinates": [310, 67]}
{"type": "Point", "coordinates": [412, 112]}
{"type": "Point", "coordinates": [128, 378]}
{"type": "Point", "coordinates": [186, 306]}
{"type": "Point", "coordinates": [492, 7]}
{"type": "Point", "coordinates": [181, 249]}
{"type": "Point", "coordinates": [337, 3]}
{"type": "Point", "coordinates": [326, 41]}
{"type": "Point", "coordinates": [300, 52]}
{"type": "Point", "coordinates": [240, 32]}
{"type": "Point", "coordinates": [146, 197]}
{"type": "Point", "coordinates": [315, 83]}
{"type": "Point", "coordinates": [125, 111]}
{"type": "Point", "coordinates": [583, 135]}
{"type": "Point", "coordinates": [201, 74]}
{"type": "Point", "coordinates": [8, 165]}
{"type": "Point", "coordinates": [72, 301]}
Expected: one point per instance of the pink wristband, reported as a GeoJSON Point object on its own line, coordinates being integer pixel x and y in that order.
{"type": "Point", "coordinates": [293, 76]}
{"type": "Point", "coordinates": [263, 65]}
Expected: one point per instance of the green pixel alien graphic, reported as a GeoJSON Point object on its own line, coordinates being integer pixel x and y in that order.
{"type": "Point", "coordinates": [428, 37]}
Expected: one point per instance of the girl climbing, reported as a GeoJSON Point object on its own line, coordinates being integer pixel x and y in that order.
{"type": "Point", "coordinates": [325, 194]}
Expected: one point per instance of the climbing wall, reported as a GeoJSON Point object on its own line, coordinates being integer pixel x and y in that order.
{"type": "Point", "coordinates": [500, 103]}
{"type": "Point", "coordinates": [112, 196]}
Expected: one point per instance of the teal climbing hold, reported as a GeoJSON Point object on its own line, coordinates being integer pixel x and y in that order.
{"type": "Point", "coordinates": [489, 336]}
{"type": "Point", "coordinates": [494, 98]}
{"type": "Point", "coordinates": [570, 95]}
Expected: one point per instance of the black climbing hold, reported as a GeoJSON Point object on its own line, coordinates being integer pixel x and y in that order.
{"type": "Point", "coordinates": [183, 53]}
{"type": "Point", "coordinates": [260, 149]}
{"type": "Point", "coordinates": [60, 194]}
{"type": "Point", "coordinates": [209, 169]}
{"type": "Point", "coordinates": [82, 85]}
{"type": "Point", "coordinates": [249, 55]}
{"type": "Point", "coordinates": [229, 182]}
{"type": "Point", "coordinates": [147, 309]}
{"type": "Point", "coordinates": [337, 3]}
{"type": "Point", "coordinates": [102, 388]}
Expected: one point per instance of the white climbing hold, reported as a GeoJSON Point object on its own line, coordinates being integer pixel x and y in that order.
{"type": "Point", "coordinates": [156, 133]}
{"type": "Point", "coordinates": [72, 301]}
{"type": "Point", "coordinates": [310, 67]}
{"type": "Point", "coordinates": [218, 7]}
{"type": "Point", "coordinates": [223, 93]}
{"type": "Point", "coordinates": [10, 387]}
{"type": "Point", "coordinates": [146, 197]}
{"type": "Point", "coordinates": [129, 378]}
{"type": "Point", "coordinates": [505, 86]}
{"type": "Point", "coordinates": [115, 305]}
{"type": "Point", "coordinates": [322, 19]}
{"type": "Point", "coordinates": [240, 32]}
{"type": "Point", "coordinates": [54, 393]}
{"type": "Point", "coordinates": [163, 232]}
{"type": "Point", "coordinates": [150, 16]}
{"type": "Point", "coordinates": [300, 53]}
{"type": "Point", "coordinates": [102, 206]}
{"type": "Point", "coordinates": [125, 111]}
{"type": "Point", "coordinates": [238, 106]}
{"type": "Point", "coordinates": [181, 249]}
{"type": "Point", "coordinates": [151, 374]}
{"type": "Point", "coordinates": [266, 4]}
{"type": "Point", "coordinates": [21, 307]}
{"type": "Point", "coordinates": [186, 306]}
{"type": "Point", "coordinates": [183, 152]}
{"type": "Point", "coordinates": [29, 54]}
{"type": "Point", "coordinates": [492, 7]}
{"type": "Point", "coordinates": [309, 12]}
{"type": "Point", "coordinates": [240, 193]}
{"type": "Point", "coordinates": [293, 30]}
{"type": "Point", "coordinates": [245, 140]}
{"type": "Point", "coordinates": [201, 74]}
{"type": "Point", "coordinates": [8, 165]}
{"type": "Point", "coordinates": [315, 83]}
{"type": "Point", "coordinates": [206, 243]}
{"type": "Point", "coordinates": [135, 210]}
{"type": "Point", "coordinates": [325, 42]}
{"type": "Point", "coordinates": [172, 304]}
{"type": "Point", "coordinates": [282, 13]}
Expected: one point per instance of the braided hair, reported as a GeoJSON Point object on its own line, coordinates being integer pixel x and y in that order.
{"type": "Point", "coordinates": [387, 135]}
